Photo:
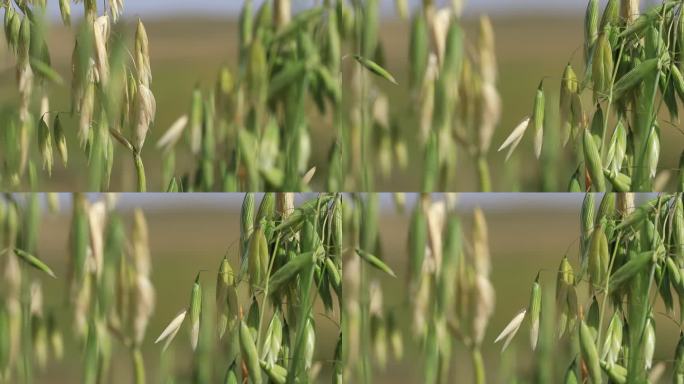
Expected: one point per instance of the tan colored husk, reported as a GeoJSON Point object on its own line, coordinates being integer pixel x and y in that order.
{"type": "Point", "coordinates": [375, 303]}
{"type": "Point", "coordinates": [282, 13]}
{"type": "Point", "coordinates": [439, 25]}
{"type": "Point", "coordinates": [81, 304]}
{"type": "Point", "coordinates": [44, 106]}
{"type": "Point", "coordinates": [142, 55]}
{"type": "Point", "coordinates": [480, 243]}
{"type": "Point", "coordinates": [381, 111]}
{"type": "Point", "coordinates": [97, 215]}
{"type": "Point", "coordinates": [168, 141]}
{"type": "Point", "coordinates": [143, 293]}
{"type": "Point", "coordinates": [625, 203]}
{"type": "Point", "coordinates": [25, 80]}
{"type": "Point", "coordinates": [421, 303]}
{"type": "Point", "coordinates": [427, 100]}
{"type": "Point", "coordinates": [351, 281]}
{"type": "Point", "coordinates": [144, 299]}
{"type": "Point", "coordinates": [87, 106]}
{"type": "Point", "coordinates": [145, 110]}
{"type": "Point", "coordinates": [457, 7]}
{"type": "Point", "coordinates": [140, 242]}
{"type": "Point", "coordinates": [490, 114]}
{"type": "Point", "coordinates": [100, 36]}
{"type": "Point", "coordinates": [284, 204]}
{"type": "Point", "coordinates": [436, 216]}
{"type": "Point", "coordinates": [487, 51]}
{"type": "Point", "coordinates": [630, 10]}
{"type": "Point", "coordinates": [115, 9]}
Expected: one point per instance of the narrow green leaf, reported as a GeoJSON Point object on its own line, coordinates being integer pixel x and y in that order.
{"type": "Point", "coordinates": [376, 69]}
{"type": "Point", "coordinates": [34, 262]}
{"type": "Point", "coordinates": [375, 262]}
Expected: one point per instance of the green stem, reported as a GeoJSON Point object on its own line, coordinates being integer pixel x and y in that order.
{"type": "Point", "coordinates": [483, 174]}
{"type": "Point", "coordinates": [266, 291]}
{"type": "Point", "coordinates": [478, 365]}
{"type": "Point", "coordinates": [140, 172]}
{"type": "Point", "coordinates": [606, 116]}
{"type": "Point", "coordinates": [138, 366]}
{"type": "Point", "coordinates": [606, 296]}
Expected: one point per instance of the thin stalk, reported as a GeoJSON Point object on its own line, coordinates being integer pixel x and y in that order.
{"type": "Point", "coordinates": [652, 113]}
{"type": "Point", "coordinates": [263, 305]}
{"type": "Point", "coordinates": [306, 306]}
{"type": "Point", "coordinates": [138, 366]}
{"type": "Point", "coordinates": [605, 292]}
{"type": "Point", "coordinates": [363, 103]}
{"type": "Point", "coordinates": [26, 329]}
{"type": "Point", "coordinates": [140, 172]}
{"type": "Point", "coordinates": [602, 150]}
{"type": "Point", "coordinates": [478, 365]}
{"type": "Point", "coordinates": [483, 174]}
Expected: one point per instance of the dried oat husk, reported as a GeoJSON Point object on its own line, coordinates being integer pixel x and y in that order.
{"type": "Point", "coordinates": [101, 31]}
{"type": "Point", "coordinates": [145, 111]}
{"type": "Point", "coordinates": [629, 10]}
{"type": "Point", "coordinates": [97, 216]}
{"type": "Point", "coordinates": [142, 55]}
{"type": "Point", "coordinates": [282, 13]}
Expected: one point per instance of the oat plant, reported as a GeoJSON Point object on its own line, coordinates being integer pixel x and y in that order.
{"type": "Point", "coordinates": [109, 293]}
{"type": "Point", "coordinates": [262, 317]}
{"type": "Point", "coordinates": [111, 100]}
{"type": "Point", "coordinates": [629, 263]}
{"type": "Point", "coordinates": [28, 336]}
{"type": "Point", "coordinates": [616, 111]}
{"type": "Point", "coordinates": [449, 292]}
{"type": "Point", "coordinates": [255, 130]}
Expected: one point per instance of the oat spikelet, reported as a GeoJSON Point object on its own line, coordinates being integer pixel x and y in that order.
{"type": "Point", "coordinates": [439, 25]}
{"type": "Point", "coordinates": [375, 306]}
{"type": "Point", "coordinates": [488, 68]}
{"type": "Point", "coordinates": [87, 106]}
{"type": "Point", "coordinates": [436, 216]}
{"type": "Point", "coordinates": [490, 101]}
{"type": "Point", "coordinates": [284, 204]}
{"type": "Point", "coordinates": [100, 37]}
{"type": "Point", "coordinates": [480, 243]}
{"type": "Point", "coordinates": [484, 307]}
{"type": "Point", "coordinates": [630, 10]}
{"type": "Point", "coordinates": [140, 240]}
{"type": "Point", "coordinates": [282, 13]}
{"type": "Point", "coordinates": [145, 110]}
{"type": "Point", "coordinates": [171, 330]}
{"type": "Point", "coordinates": [97, 215]}
{"type": "Point", "coordinates": [511, 329]}
{"type": "Point", "coordinates": [144, 296]}
{"type": "Point", "coordinates": [173, 134]}
{"type": "Point", "coordinates": [484, 296]}
{"type": "Point", "coordinates": [427, 101]}
{"type": "Point", "coordinates": [116, 9]}
{"type": "Point", "coordinates": [142, 55]}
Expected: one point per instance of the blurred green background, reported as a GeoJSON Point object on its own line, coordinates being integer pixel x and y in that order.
{"type": "Point", "coordinates": [189, 50]}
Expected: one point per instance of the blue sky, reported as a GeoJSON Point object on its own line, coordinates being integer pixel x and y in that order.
{"type": "Point", "coordinates": [231, 7]}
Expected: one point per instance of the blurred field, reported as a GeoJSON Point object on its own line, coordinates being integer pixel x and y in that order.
{"type": "Point", "coordinates": [190, 51]}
